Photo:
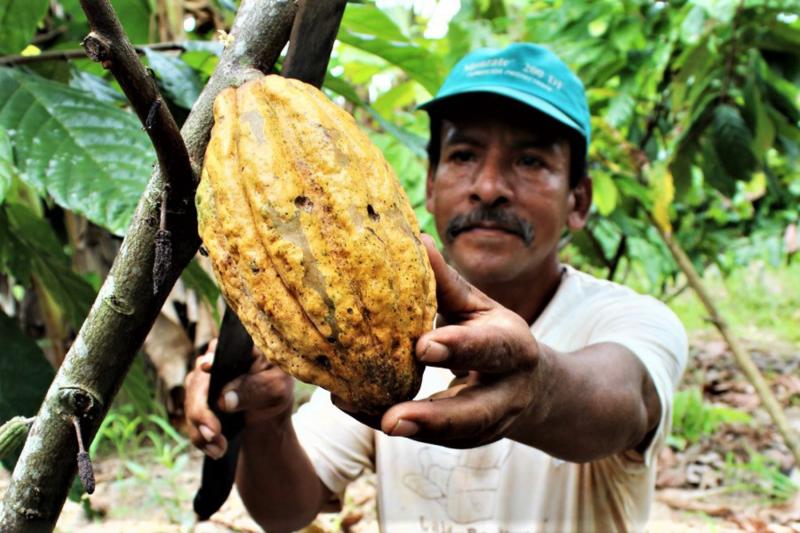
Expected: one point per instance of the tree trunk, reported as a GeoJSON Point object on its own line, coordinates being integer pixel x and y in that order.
{"type": "Point", "coordinates": [127, 305]}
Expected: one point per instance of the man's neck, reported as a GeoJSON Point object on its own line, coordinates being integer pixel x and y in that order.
{"type": "Point", "coordinates": [527, 297]}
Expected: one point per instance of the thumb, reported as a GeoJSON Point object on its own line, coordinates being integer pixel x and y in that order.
{"type": "Point", "coordinates": [454, 294]}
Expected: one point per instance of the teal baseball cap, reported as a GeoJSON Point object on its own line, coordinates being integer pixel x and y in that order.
{"type": "Point", "coordinates": [528, 73]}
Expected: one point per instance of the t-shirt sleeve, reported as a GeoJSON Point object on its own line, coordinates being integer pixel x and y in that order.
{"type": "Point", "coordinates": [339, 447]}
{"type": "Point", "coordinates": [650, 330]}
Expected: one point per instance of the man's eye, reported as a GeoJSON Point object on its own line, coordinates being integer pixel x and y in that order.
{"type": "Point", "coordinates": [462, 156]}
{"type": "Point", "coordinates": [530, 161]}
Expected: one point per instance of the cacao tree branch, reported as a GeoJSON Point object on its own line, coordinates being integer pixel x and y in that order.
{"type": "Point", "coordinates": [66, 55]}
{"type": "Point", "coordinates": [742, 357]}
{"type": "Point", "coordinates": [108, 44]}
{"type": "Point", "coordinates": [126, 305]}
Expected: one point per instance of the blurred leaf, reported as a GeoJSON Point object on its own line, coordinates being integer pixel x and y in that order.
{"type": "Point", "coordinates": [418, 63]}
{"type": "Point", "coordinates": [367, 19]}
{"type": "Point", "coordinates": [91, 157]}
{"type": "Point", "coordinates": [178, 80]}
{"type": "Point", "coordinates": [33, 240]}
{"type": "Point", "coordinates": [414, 142]}
{"type": "Point", "coordinates": [7, 170]}
{"type": "Point", "coordinates": [25, 375]}
{"type": "Point", "coordinates": [663, 192]}
{"type": "Point", "coordinates": [137, 19]}
{"type": "Point", "coordinates": [733, 143]}
{"type": "Point", "coordinates": [199, 281]}
{"type": "Point", "coordinates": [692, 25]}
{"type": "Point", "coordinates": [396, 98]}
{"type": "Point", "coordinates": [604, 193]}
{"type": "Point", "coordinates": [18, 22]}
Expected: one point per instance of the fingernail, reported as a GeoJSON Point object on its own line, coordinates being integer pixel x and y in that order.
{"type": "Point", "coordinates": [213, 451]}
{"type": "Point", "coordinates": [434, 352]}
{"type": "Point", "coordinates": [231, 400]}
{"type": "Point", "coordinates": [404, 428]}
{"type": "Point", "coordinates": [206, 432]}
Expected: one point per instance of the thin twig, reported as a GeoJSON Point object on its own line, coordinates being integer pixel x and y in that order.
{"type": "Point", "coordinates": [66, 55]}
{"type": "Point", "coordinates": [108, 44]}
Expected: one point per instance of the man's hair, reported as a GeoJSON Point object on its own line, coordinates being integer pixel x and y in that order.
{"type": "Point", "coordinates": [577, 144]}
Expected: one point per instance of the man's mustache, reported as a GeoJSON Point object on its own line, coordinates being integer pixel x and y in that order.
{"type": "Point", "coordinates": [499, 218]}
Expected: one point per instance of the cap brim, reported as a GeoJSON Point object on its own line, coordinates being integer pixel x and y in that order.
{"type": "Point", "coordinates": [528, 99]}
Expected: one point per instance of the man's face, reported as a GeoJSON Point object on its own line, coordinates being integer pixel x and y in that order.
{"type": "Point", "coordinates": [500, 192]}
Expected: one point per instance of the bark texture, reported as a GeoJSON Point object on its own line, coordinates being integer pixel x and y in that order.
{"type": "Point", "coordinates": [127, 305]}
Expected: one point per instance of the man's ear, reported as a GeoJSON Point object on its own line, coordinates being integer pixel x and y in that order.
{"type": "Point", "coordinates": [429, 188]}
{"type": "Point", "coordinates": [581, 201]}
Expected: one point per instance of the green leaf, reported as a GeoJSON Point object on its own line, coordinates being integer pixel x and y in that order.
{"type": "Point", "coordinates": [396, 98]}
{"type": "Point", "coordinates": [413, 142]}
{"type": "Point", "coordinates": [195, 278]}
{"type": "Point", "coordinates": [370, 20]}
{"type": "Point", "coordinates": [7, 170]}
{"type": "Point", "coordinates": [34, 239]}
{"type": "Point", "coordinates": [136, 18]}
{"type": "Point", "coordinates": [418, 63]}
{"type": "Point", "coordinates": [18, 20]}
{"type": "Point", "coordinates": [179, 81]}
{"type": "Point", "coordinates": [605, 193]}
{"type": "Point", "coordinates": [733, 142]}
{"type": "Point", "coordinates": [25, 374]}
{"type": "Point", "coordinates": [758, 120]}
{"type": "Point", "coordinates": [91, 157]}
{"type": "Point", "coordinates": [96, 86]}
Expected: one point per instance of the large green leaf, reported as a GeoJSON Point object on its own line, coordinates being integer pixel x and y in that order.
{"type": "Point", "coordinates": [369, 29]}
{"type": "Point", "coordinates": [24, 373]}
{"type": "Point", "coordinates": [18, 20]}
{"type": "Point", "coordinates": [415, 61]}
{"type": "Point", "coordinates": [369, 20]}
{"type": "Point", "coordinates": [179, 81]}
{"type": "Point", "coordinates": [136, 17]}
{"type": "Point", "coordinates": [413, 142]}
{"type": "Point", "coordinates": [31, 248]}
{"type": "Point", "coordinates": [90, 156]}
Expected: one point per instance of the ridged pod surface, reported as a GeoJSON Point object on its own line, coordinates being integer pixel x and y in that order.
{"type": "Point", "coordinates": [314, 242]}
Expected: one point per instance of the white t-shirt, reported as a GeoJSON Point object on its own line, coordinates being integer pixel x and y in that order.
{"type": "Point", "coordinates": [507, 486]}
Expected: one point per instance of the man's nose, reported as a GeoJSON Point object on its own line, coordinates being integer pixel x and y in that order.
{"type": "Point", "coordinates": [490, 184]}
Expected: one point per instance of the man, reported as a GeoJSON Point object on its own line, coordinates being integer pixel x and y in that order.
{"type": "Point", "coordinates": [547, 392]}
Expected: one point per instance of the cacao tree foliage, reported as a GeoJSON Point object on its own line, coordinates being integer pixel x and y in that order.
{"type": "Point", "coordinates": [695, 116]}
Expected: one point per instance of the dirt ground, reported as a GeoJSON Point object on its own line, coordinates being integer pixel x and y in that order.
{"type": "Point", "coordinates": [694, 492]}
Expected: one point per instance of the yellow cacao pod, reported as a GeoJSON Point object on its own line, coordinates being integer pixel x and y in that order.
{"type": "Point", "coordinates": [314, 242]}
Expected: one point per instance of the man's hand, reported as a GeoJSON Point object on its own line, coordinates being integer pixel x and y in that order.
{"type": "Point", "coordinates": [264, 393]}
{"type": "Point", "coordinates": [494, 356]}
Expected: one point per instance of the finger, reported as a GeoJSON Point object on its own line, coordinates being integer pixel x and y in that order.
{"type": "Point", "coordinates": [255, 392]}
{"type": "Point", "coordinates": [204, 362]}
{"type": "Point", "coordinates": [475, 415]}
{"type": "Point", "coordinates": [496, 347]}
{"type": "Point", "coordinates": [205, 431]}
{"type": "Point", "coordinates": [454, 294]}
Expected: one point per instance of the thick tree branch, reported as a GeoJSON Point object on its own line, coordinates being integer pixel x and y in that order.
{"type": "Point", "coordinates": [126, 305]}
{"type": "Point", "coordinates": [66, 55]}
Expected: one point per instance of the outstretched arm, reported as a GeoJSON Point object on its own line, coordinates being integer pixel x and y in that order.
{"type": "Point", "coordinates": [577, 406]}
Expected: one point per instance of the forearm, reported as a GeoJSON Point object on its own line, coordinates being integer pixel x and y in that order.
{"type": "Point", "coordinates": [276, 480]}
{"type": "Point", "coordinates": [589, 404]}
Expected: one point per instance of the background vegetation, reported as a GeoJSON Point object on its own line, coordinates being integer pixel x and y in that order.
{"type": "Point", "coordinates": [695, 112]}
